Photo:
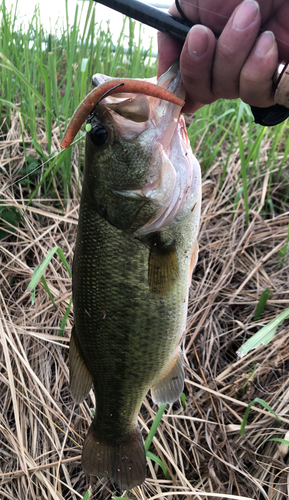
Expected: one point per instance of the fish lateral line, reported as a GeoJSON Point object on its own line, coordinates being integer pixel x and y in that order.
{"type": "Point", "coordinates": [115, 86]}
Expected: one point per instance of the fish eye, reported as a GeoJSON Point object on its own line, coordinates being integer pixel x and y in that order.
{"type": "Point", "coordinates": [98, 135]}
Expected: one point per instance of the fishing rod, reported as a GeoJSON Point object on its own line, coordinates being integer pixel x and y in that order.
{"type": "Point", "coordinates": [179, 28]}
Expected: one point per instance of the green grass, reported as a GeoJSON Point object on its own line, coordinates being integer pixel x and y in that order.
{"type": "Point", "coordinates": [265, 334]}
{"type": "Point", "coordinates": [265, 405]}
{"type": "Point", "coordinates": [44, 77]}
{"type": "Point", "coordinates": [261, 150]}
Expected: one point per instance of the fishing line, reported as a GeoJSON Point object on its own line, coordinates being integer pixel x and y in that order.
{"type": "Point", "coordinates": [203, 8]}
{"type": "Point", "coordinates": [108, 92]}
{"type": "Point", "coordinates": [59, 153]}
{"type": "Point", "coordinates": [42, 164]}
{"type": "Point", "coordinates": [91, 114]}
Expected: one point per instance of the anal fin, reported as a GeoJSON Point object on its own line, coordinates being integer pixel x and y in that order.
{"type": "Point", "coordinates": [80, 378]}
{"type": "Point", "coordinates": [169, 388]}
{"type": "Point", "coordinates": [124, 463]}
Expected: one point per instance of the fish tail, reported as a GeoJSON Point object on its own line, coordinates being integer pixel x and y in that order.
{"type": "Point", "coordinates": [124, 463]}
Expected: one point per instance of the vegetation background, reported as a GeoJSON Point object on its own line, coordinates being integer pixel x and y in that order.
{"type": "Point", "coordinates": [240, 284]}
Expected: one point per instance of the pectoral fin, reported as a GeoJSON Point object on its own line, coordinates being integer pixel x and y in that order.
{"type": "Point", "coordinates": [80, 378]}
{"type": "Point", "coordinates": [163, 267]}
{"type": "Point", "coordinates": [169, 388]}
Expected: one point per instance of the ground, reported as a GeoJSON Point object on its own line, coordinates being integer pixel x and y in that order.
{"type": "Point", "coordinates": [42, 431]}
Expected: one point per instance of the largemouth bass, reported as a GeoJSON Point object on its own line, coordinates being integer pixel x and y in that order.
{"type": "Point", "coordinates": [135, 252]}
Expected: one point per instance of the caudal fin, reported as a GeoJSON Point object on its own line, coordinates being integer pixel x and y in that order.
{"type": "Point", "coordinates": [124, 463]}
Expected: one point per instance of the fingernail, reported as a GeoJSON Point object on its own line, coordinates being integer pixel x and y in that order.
{"type": "Point", "coordinates": [245, 14]}
{"type": "Point", "coordinates": [264, 43]}
{"type": "Point", "coordinates": [198, 41]}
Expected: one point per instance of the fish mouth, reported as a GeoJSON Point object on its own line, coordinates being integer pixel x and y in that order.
{"type": "Point", "coordinates": [135, 113]}
{"type": "Point", "coordinates": [150, 114]}
{"type": "Point", "coordinates": [174, 169]}
{"type": "Point", "coordinates": [159, 126]}
{"type": "Point", "coordinates": [171, 183]}
{"type": "Point", "coordinates": [110, 85]}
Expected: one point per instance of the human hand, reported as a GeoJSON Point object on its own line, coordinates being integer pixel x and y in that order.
{"type": "Point", "coordinates": [245, 57]}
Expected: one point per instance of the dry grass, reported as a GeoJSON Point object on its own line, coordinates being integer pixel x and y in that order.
{"type": "Point", "coordinates": [42, 431]}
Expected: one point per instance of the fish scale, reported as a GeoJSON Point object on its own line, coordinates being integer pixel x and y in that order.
{"type": "Point", "coordinates": [98, 289]}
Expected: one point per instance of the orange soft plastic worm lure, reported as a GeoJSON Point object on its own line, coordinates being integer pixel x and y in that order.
{"type": "Point", "coordinates": [114, 86]}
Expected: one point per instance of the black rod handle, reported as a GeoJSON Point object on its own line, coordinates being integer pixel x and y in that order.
{"type": "Point", "coordinates": [151, 16]}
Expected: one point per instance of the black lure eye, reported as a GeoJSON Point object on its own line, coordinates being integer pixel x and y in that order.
{"type": "Point", "coordinates": [98, 135]}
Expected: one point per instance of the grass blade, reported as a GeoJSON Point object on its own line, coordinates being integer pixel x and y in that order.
{"type": "Point", "coordinates": [46, 288]}
{"type": "Point", "coordinates": [261, 304]}
{"type": "Point", "coordinates": [280, 440]}
{"type": "Point", "coordinates": [243, 388]}
{"type": "Point", "coordinates": [158, 461]}
{"type": "Point", "coordinates": [264, 335]}
{"type": "Point", "coordinates": [183, 400]}
{"type": "Point", "coordinates": [48, 114]}
{"type": "Point", "coordinates": [261, 402]}
{"type": "Point", "coordinates": [87, 495]}
{"type": "Point", "coordinates": [244, 176]}
{"type": "Point", "coordinates": [154, 426]}
{"type": "Point", "coordinates": [23, 79]}
{"type": "Point", "coordinates": [64, 320]}
{"type": "Point", "coordinates": [41, 269]}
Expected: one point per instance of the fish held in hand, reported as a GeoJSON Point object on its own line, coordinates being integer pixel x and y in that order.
{"type": "Point", "coordinates": [135, 252]}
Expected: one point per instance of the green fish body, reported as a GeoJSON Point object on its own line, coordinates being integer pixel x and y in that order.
{"type": "Point", "coordinates": [135, 251]}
